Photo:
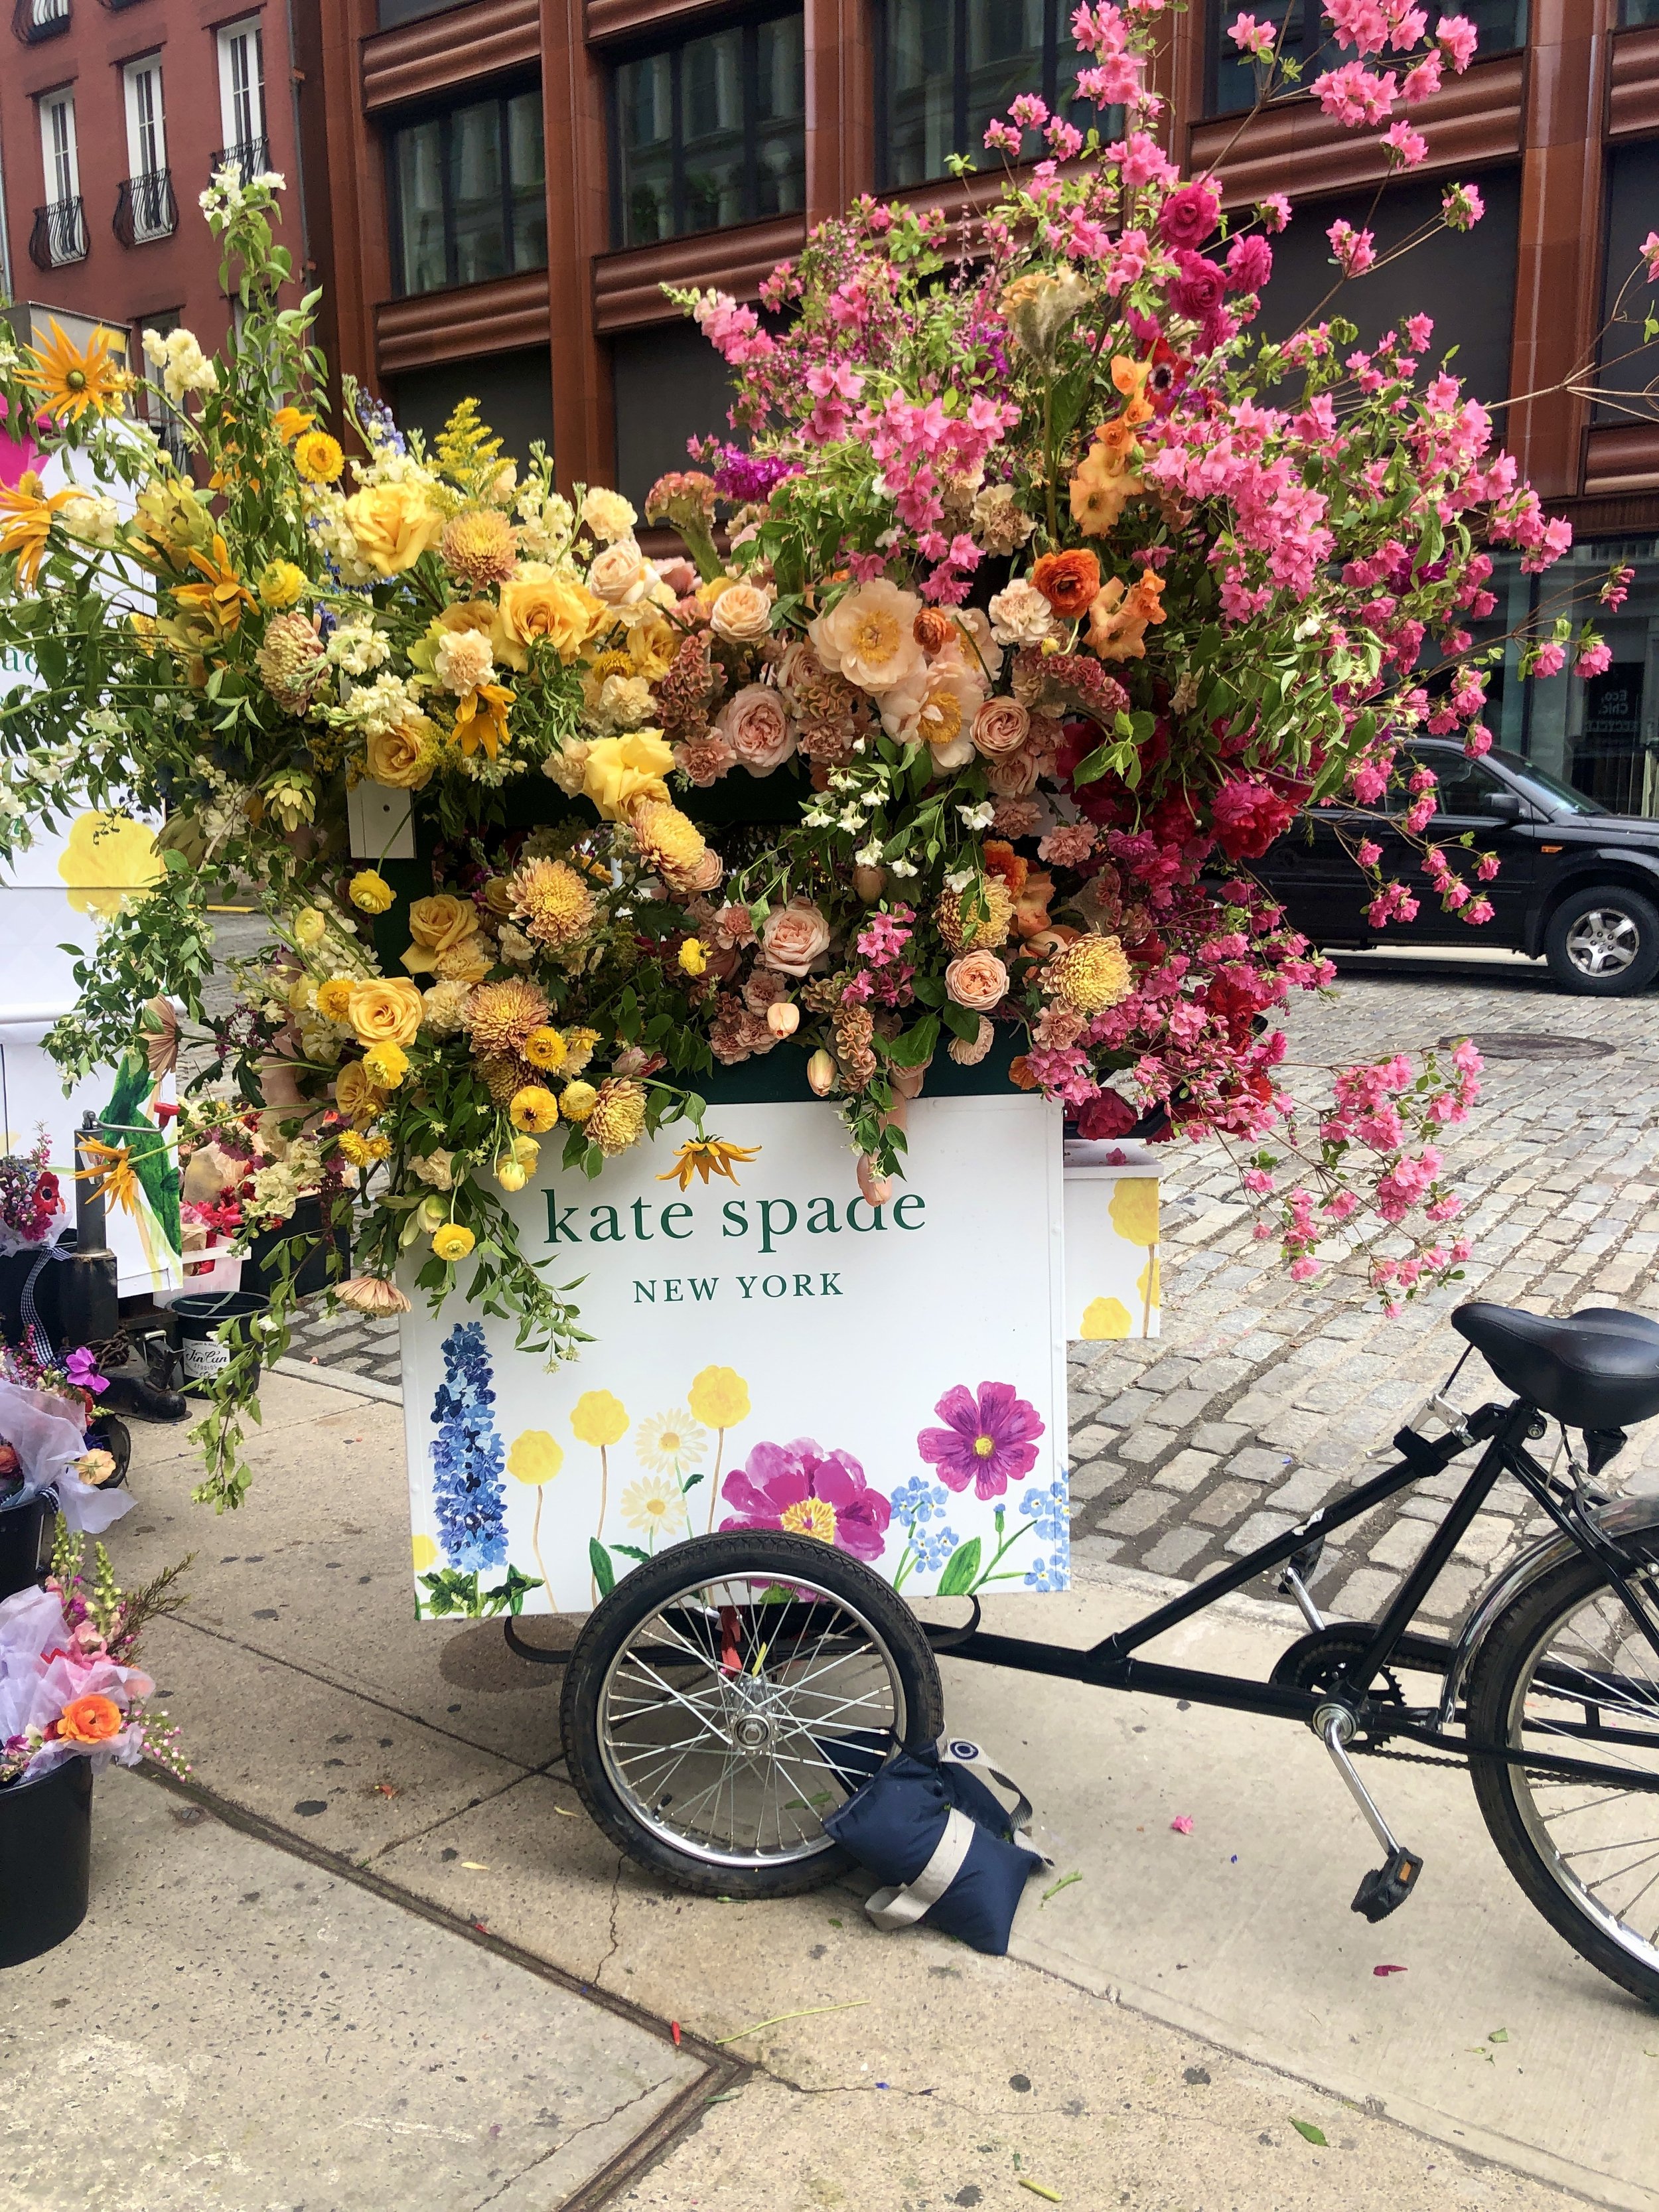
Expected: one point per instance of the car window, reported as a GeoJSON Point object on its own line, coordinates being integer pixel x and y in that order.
{"type": "Point", "coordinates": [1464, 783]}
{"type": "Point", "coordinates": [1549, 791]}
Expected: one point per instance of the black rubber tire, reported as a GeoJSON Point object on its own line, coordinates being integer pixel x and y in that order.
{"type": "Point", "coordinates": [714, 1558]}
{"type": "Point", "coordinates": [1505, 1651]}
{"type": "Point", "coordinates": [1614, 898]}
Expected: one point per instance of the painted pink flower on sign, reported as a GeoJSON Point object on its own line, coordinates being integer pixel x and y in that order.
{"type": "Point", "coordinates": [810, 1492]}
{"type": "Point", "coordinates": [989, 1440]}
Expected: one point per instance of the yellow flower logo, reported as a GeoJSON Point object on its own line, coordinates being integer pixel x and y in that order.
{"type": "Point", "coordinates": [597, 1418]}
{"type": "Point", "coordinates": [109, 859]}
{"type": "Point", "coordinates": [535, 1457]}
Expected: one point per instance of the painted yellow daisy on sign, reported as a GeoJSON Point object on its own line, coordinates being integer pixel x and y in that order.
{"type": "Point", "coordinates": [671, 1443]}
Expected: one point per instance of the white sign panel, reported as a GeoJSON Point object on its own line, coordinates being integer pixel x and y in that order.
{"type": "Point", "coordinates": [772, 1353]}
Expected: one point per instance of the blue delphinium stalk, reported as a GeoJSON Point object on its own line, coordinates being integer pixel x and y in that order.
{"type": "Point", "coordinates": [467, 1458]}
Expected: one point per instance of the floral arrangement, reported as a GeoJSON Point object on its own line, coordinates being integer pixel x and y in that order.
{"type": "Point", "coordinates": [1040, 595]}
{"type": "Point", "coordinates": [31, 1199]}
{"type": "Point", "coordinates": [69, 1688]}
{"type": "Point", "coordinates": [240, 1169]}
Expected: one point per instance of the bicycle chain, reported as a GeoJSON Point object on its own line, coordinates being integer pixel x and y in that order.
{"type": "Point", "coordinates": [1435, 1758]}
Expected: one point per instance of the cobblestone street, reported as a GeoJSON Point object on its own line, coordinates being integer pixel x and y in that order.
{"type": "Point", "coordinates": [1265, 1398]}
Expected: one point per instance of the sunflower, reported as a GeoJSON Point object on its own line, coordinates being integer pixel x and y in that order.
{"type": "Point", "coordinates": [26, 513]}
{"type": "Point", "coordinates": [71, 383]}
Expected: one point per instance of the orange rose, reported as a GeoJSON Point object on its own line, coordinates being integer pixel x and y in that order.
{"type": "Point", "coordinates": [1067, 580]}
{"type": "Point", "coordinates": [977, 981]}
{"type": "Point", "coordinates": [90, 1720]}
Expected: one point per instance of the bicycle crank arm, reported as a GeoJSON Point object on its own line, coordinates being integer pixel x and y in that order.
{"type": "Point", "coordinates": [1385, 1888]}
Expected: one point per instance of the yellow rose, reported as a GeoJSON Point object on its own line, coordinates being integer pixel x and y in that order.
{"type": "Point", "coordinates": [393, 526]}
{"type": "Point", "coordinates": [385, 1065]}
{"type": "Point", "coordinates": [445, 931]}
{"type": "Point", "coordinates": [620, 771]}
{"type": "Point", "coordinates": [453, 1240]}
{"type": "Point", "coordinates": [652, 644]}
{"type": "Point", "coordinates": [308, 926]}
{"type": "Point", "coordinates": [369, 892]}
{"type": "Point", "coordinates": [384, 1012]}
{"type": "Point", "coordinates": [401, 757]}
{"type": "Point", "coordinates": [281, 584]}
{"type": "Point", "coordinates": [553, 607]}
{"type": "Point", "coordinates": [334, 996]}
{"type": "Point", "coordinates": [355, 1095]}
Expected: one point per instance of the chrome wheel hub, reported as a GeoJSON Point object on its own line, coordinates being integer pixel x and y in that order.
{"type": "Point", "coordinates": [1603, 942]}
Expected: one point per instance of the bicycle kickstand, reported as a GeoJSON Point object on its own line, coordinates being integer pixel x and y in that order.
{"type": "Point", "coordinates": [1386, 1888]}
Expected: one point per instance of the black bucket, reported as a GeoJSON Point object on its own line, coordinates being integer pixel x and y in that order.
{"type": "Point", "coordinates": [312, 1275]}
{"type": "Point", "coordinates": [26, 1526]}
{"type": "Point", "coordinates": [45, 1861]}
{"type": "Point", "coordinates": [199, 1319]}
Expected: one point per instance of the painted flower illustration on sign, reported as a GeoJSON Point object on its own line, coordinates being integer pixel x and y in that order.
{"type": "Point", "coordinates": [652, 1506]}
{"type": "Point", "coordinates": [535, 1459]}
{"type": "Point", "coordinates": [810, 1492]}
{"type": "Point", "coordinates": [1134, 1217]}
{"type": "Point", "coordinates": [599, 1417]}
{"type": "Point", "coordinates": [467, 1459]}
{"type": "Point", "coordinates": [719, 1398]}
{"type": "Point", "coordinates": [671, 1443]}
{"type": "Point", "coordinates": [989, 1440]}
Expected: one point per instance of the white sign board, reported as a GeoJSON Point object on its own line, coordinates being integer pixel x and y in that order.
{"type": "Point", "coordinates": [773, 1352]}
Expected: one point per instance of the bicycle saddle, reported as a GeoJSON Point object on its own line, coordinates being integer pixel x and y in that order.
{"type": "Point", "coordinates": [1598, 1370]}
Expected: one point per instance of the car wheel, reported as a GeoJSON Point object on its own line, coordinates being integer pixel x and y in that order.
{"type": "Point", "coordinates": [1603, 943]}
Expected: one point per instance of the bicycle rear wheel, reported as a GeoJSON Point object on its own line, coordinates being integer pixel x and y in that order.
{"type": "Point", "coordinates": [1567, 1670]}
{"type": "Point", "coordinates": [728, 1695]}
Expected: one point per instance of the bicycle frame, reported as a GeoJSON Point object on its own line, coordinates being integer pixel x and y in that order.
{"type": "Point", "coordinates": [1111, 1664]}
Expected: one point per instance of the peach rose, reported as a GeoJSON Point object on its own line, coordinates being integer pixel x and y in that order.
{"type": "Point", "coordinates": [742, 613]}
{"type": "Point", "coordinates": [977, 981]}
{"type": "Point", "coordinates": [792, 937]}
{"type": "Point", "coordinates": [1011, 775]}
{"type": "Point", "coordinates": [754, 724]}
{"type": "Point", "coordinates": [384, 1012]}
{"type": "Point", "coordinates": [393, 526]}
{"type": "Point", "coordinates": [1000, 727]}
{"type": "Point", "coordinates": [621, 575]}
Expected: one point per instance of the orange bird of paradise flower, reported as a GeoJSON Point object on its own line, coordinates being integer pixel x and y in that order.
{"type": "Point", "coordinates": [223, 595]}
{"type": "Point", "coordinates": [706, 1156]}
{"type": "Point", "coordinates": [70, 382]}
{"type": "Point", "coordinates": [481, 718]}
{"type": "Point", "coordinates": [26, 513]}
{"type": "Point", "coordinates": [111, 1173]}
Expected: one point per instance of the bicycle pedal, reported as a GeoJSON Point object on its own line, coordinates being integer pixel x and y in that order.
{"type": "Point", "coordinates": [1386, 1888]}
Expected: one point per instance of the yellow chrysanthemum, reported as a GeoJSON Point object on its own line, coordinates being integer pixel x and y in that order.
{"type": "Point", "coordinates": [481, 547]}
{"type": "Point", "coordinates": [618, 1116]}
{"type": "Point", "coordinates": [667, 841]}
{"type": "Point", "coordinates": [356, 1148]}
{"type": "Point", "coordinates": [500, 1016]}
{"type": "Point", "coordinates": [553, 902]}
{"type": "Point", "coordinates": [453, 1240]}
{"type": "Point", "coordinates": [369, 892]}
{"type": "Point", "coordinates": [1090, 974]}
{"type": "Point", "coordinates": [318, 457]}
{"type": "Point", "coordinates": [70, 382]}
{"type": "Point", "coordinates": [980, 917]}
{"type": "Point", "coordinates": [544, 1048]}
{"type": "Point", "coordinates": [533, 1109]}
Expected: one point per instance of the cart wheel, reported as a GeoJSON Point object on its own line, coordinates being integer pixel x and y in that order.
{"type": "Point", "coordinates": [726, 1697]}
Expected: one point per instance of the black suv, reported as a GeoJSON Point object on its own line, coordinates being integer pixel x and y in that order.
{"type": "Point", "coordinates": [1574, 883]}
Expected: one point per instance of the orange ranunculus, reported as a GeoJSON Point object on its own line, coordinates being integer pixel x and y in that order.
{"type": "Point", "coordinates": [90, 1720]}
{"type": "Point", "coordinates": [1001, 859]}
{"type": "Point", "coordinates": [1019, 1073]}
{"type": "Point", "coordinates": [1067, 580]}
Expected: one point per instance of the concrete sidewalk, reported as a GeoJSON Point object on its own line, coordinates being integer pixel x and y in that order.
{"type": "Point", "coordinates": [1164, 2021]}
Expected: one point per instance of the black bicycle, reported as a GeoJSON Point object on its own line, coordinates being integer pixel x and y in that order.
{"type": "Point", "coordinates": [710, 1701]}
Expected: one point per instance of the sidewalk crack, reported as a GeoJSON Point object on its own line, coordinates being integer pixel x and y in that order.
{"type": "Point", "coordinates": [602, 2120]}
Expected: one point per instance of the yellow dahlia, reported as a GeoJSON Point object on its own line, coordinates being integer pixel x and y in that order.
{"type": "Point", "coordinates": [668, 842]}
{"type": "Point", "coordinates": [977, 917]}
{"type": "Point", "coordinates": [533, 1109]}
{"type": "Point", "coordinates": [553, 902]}
{"type": "Point", "coordinates": [1090, 974]}
{"type": "Point", "coordinates": [618, 1115]}
{"type": "Point", "coordinates": [501, 1016]}
{"type": "Point", "coordinates": [480, 547]}
{"type": "Point", "coordinates": [502, 1078]}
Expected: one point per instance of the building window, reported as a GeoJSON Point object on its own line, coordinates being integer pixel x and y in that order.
{"type": "Point", "coordinates": [1632, 12]}
{"type": "Point", "coordinates": [470, 193]}
{"type": "Point", "coordinates": [60, 228]}
{"type": "Point", "coordinates": [1234, 80]}
{"type": "Point", "coordinates": [710, 132]}
{"type": "Point", "coordinates": [144, 207]}
{"type": "Point", "coordinates": [1629, 364]}
{"type": "Point", "coordinates": [242, 100]}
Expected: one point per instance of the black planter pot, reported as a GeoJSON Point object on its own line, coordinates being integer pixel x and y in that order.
{"type": "Point", "coordinates": [312, 1275]}
{"type": "Point", "coordinates": [26, 1534]}
{"type": "Point", "coordinates": [45, 1861]}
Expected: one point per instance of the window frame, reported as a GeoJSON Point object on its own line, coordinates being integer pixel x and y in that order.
{"type": "Point", "coordinates": [1056, 26]}
{"type": "Point", "coordinates": [248, 31]}
{"type": "Point", "coordinates": [443, 115]}
{"type": "Point", "coordinates": [60, 102]}
{"type": "Point", "coordinates": [750, 21]}
{"type": "Point", "coordinates": [1219, 12]}
{"type": "Point", "coordinates": [132, 75]}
